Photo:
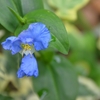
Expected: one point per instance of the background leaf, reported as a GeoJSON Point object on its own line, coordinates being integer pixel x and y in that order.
{"type": "Point", "coordinates": [58, 79]}
{"type": "Point", "coordinates": [84, 91]}
{"type": "Point", "coordinates": [5, 97]}
{"type": "Point", "coordinates": [7, 19]}
{"type": "Point", "coordinates": [67, 9]}
{"type": "Point", "coordinates": [25, 6]}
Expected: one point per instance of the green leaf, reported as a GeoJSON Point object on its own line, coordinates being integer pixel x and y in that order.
{"type": "Point", "coordinates": [55, 26]}
{"type": "Point", "coordinates": [47, 55]}
{"type": "Point", "coordinates": [30, 5]}
{"type": "Point", "coordinates": [5, 97]}
{"type": "Point", "coordinates": [25, 6]}
{"type": "Point", "coordinates": [18, 6]}
{"type": "Point", "coordinates": [58, 79]}
{"type": "Point", "coordinates": [7, 19]}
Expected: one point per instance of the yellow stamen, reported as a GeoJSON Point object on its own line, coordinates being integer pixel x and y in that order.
{"type": "Point", "coordinates": [26, 47]}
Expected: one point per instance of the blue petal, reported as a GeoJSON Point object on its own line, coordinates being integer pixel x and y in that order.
{"type": "Point", "coordinates": [8, 43]}
{"type": "Point", "coordinates": [20, 73]}
{"type": "Point", "coordinates": [26, 37]}
{"type": "Point", "coordinates": [16, 46]}
{"type": "Point", "coordinates": [28, 67]}
{"type": "Point", "coordinates": [41, 35]}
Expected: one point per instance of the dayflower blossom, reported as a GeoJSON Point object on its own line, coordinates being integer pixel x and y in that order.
{"type": "Point", "coordinates": [36, 37]}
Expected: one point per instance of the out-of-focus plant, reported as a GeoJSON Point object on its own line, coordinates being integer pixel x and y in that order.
{"type": "Point", "coordinates": [66, 9]}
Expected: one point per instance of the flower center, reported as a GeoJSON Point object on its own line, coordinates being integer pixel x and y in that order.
{"type": "Point", "coordinates": [26, 47]}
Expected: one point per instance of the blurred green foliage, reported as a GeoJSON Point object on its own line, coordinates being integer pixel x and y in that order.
{"type": "Point", "coordinates": [67, 9]}
{"type": "Point", "coordinates": [5, 98]}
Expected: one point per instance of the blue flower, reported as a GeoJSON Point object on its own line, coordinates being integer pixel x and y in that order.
{"type": "Point", "coordinates": [36, 37]}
